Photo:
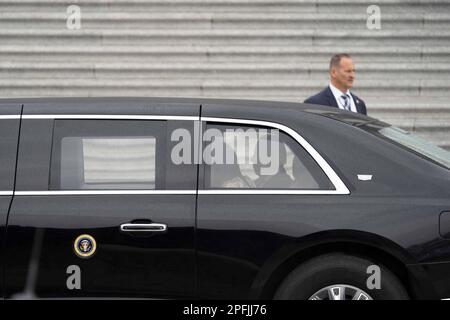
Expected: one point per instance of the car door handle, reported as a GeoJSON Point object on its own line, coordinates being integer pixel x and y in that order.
{"type": "Point", "coordinates": [143, 227]}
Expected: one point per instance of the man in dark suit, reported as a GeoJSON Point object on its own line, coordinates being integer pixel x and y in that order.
{"type": "Point", "coordinates": [337, 94]}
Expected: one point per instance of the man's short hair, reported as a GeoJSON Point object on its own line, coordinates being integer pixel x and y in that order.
{"type": "Point", "coordinates": [336, 59]}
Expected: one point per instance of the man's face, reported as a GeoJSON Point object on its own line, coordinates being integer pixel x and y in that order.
{"type": "Point", "coordinates": [344, 75]}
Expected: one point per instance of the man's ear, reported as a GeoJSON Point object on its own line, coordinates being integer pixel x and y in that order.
{"type": "Point", "coordinates": [333, 73]}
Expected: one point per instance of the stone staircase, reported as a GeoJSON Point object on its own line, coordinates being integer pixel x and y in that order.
{"type": "Point", "coordinates": [256, 49]}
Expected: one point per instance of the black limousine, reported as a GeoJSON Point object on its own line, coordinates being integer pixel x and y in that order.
{"type": "Point", "coordinates": [218, 199]}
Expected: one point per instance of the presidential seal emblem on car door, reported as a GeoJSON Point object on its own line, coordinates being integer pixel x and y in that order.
{"type": "Point", "coordinates": [85, 246]}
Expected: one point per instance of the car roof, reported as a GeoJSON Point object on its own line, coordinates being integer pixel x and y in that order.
{"type": "Point", "coordinates": [329, 112]}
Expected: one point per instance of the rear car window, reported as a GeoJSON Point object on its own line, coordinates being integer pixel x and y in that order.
{"type": "Point", "coordinates": [417, 144]}
{"type": "Point", "coordinates": [254, 159]}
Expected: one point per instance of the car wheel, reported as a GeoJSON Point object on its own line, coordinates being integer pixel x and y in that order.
{"type": "Point", "coordinates": [340, 277]}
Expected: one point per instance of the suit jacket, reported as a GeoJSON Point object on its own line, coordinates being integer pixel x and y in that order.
{"type": "Point", "coordinates": [326, 98]}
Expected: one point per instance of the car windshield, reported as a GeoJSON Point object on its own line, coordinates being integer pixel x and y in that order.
{"type": "Point", "coordinates": [417, 144]}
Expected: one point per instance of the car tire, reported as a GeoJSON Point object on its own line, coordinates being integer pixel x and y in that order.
{"type": "Point", "coordinates": [339, 277]}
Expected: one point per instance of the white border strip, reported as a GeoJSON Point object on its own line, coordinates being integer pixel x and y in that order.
{"type": "Point", "coordinates": [110, 117]}
{"type": "Point", "coordinates": [102, 192]}
{"type": "Point", "coordinates": [6, 193]}
{"type": "Point", "coordinates": [341, 188]}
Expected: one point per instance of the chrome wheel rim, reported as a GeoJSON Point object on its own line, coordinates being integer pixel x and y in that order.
{"type": "Point", "coordinates": [340, 292]}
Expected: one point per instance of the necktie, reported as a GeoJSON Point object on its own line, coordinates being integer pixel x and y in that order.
{"type": "Point", "coordinates": [346, 102]}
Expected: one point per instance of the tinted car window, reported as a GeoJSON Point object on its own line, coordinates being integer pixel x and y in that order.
{"type": "Point", "coordinates": [258, 158]}
{"type": "Point", "coordinates": [417, 144]}
{"type": "Point", "coordinates": [107, 155]}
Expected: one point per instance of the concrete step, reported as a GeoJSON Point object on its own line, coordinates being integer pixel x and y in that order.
{"type": "Point", "coordinates": [237, 88]}
{"type": "Point", "coordinates": [434, 117]}
{"type": "Point", "coordinates": [407, 102]}
{"type": "Point", "coordinates": [439, 138]}
{"type": "Point", "coordinates": [321, 6]}
{"type": "Point", "coordinates": [274, 37]}
{"type": "Point", "coordinates": [215, 70]}
{"type": "Point", "coordinates": [420, 110]}
{"type": "Point", "coordinates": [414, 124]}
{"type": "Point", "coordinates": [221, 20]}
{"type": "Point", "coordinates": [247, 55]}
{"type": "Point", "coordinates": [229, 54]}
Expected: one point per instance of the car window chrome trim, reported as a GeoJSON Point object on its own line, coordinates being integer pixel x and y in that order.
{"type": "Point", "coordinates": [6, 193]}
{"type": "Point", "coordinates": [9, 117]}
{"type": "Point", "coordinates": [108, 117]}
{"type": "Point", "coordinates": [103, 192]}
{"type": "Point", "coordinates": [167, 192]}
{"type": "Point", "coordinates": [340, 187]}
{"type": "Point", "coordinates": [265, 191]}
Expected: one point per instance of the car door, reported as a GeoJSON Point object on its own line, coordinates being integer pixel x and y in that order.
{"type": "Point", "coordinates": [9, 136]}
{"type": "Point", "coordinates": [100, 209]}
{"type": "Point", "coordinates": [256, 199]}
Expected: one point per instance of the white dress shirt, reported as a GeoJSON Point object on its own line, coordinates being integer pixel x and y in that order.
{"type": "Point", "coordinates": [337, 95]}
